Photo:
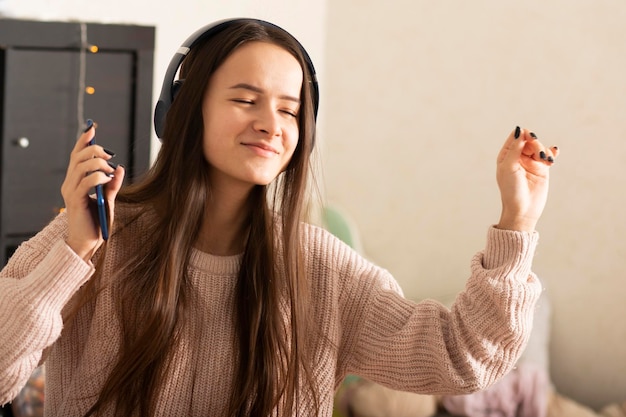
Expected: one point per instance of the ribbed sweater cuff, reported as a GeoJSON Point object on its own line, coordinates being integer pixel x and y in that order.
{"type": "Point", "coordinates": [508, 248]}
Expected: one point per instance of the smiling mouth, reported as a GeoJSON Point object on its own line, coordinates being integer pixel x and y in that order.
{"type": "Point", "coordinates": [263, 149]}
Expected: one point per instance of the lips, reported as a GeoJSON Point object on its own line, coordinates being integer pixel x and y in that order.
{"type": "Point", "coordinates": [261, 148]}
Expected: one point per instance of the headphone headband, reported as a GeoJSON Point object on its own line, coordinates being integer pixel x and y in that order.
{"type": "Point", "coordinates": [167, 89]}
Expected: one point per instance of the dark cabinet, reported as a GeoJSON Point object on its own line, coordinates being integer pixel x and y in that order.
{"type": "Point", "coordinates": [50, 76]}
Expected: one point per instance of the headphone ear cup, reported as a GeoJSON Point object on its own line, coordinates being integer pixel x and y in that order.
{"type": "Point", "coordinates": [176, 85]}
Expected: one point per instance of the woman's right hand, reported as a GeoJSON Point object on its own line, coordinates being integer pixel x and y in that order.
{"type": "Point", "coordinates": [87, 168]}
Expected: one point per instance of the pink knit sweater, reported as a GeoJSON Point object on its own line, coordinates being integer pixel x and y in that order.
{"type": "Point", "coordinates": [371, 329]}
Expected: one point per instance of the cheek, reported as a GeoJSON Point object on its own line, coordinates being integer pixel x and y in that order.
{"type": "Point", "coordinates": [211, 146]}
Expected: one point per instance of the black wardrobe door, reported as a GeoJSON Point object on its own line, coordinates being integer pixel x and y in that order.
{"type": "Point", "coordinates": [41, 90]}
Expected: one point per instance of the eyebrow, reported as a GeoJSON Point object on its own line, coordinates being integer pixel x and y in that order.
{"type": "Point", "coordinates": [255, 89]}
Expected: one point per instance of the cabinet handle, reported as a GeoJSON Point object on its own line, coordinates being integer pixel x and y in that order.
{"type": "Point", "coordinates": [22, 142]}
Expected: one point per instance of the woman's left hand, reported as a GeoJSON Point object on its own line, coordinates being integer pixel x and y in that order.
{"type": "Point", "coordinates": [522, 174]}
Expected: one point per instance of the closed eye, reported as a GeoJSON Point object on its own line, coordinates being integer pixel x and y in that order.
{"type": "Point", "coordinates": [243, 101]}
{"type": "Point", "coordinates": [289, 112]}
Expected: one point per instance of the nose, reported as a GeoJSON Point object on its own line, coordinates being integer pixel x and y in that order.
{"type": "Point", "coordinates": [268, 122]}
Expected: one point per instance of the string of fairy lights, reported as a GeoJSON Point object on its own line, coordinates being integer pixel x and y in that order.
{"type": "Point", "coordinates": [83, 88]}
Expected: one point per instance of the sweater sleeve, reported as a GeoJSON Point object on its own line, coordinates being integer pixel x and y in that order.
{"type": "Point", "coordinates": [429, 349]}
{"type": "Point", "coordinates": [35, 285]}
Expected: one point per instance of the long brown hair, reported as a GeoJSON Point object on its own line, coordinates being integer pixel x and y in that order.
{"type": "Point", "coordinates": [274, 366]}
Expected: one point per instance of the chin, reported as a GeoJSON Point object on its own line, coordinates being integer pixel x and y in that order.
{"type": "Point", "coordinates": [264, 182]}
{"type": "Point", "coordinates": [265, 179]}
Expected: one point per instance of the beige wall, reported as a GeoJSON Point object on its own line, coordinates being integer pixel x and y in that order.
{"type": "Point", "coordinates": [418, 98]}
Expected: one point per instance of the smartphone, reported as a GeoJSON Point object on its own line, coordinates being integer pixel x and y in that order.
{"type": "Point", "coordinates": [102, 211]}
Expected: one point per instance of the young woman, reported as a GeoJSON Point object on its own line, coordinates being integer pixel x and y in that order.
{"type": "Point", "coordinates": [213, 297]}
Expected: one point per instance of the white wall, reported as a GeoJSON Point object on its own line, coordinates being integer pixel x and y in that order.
{"type": "Point", "coordinates": [420, 96]}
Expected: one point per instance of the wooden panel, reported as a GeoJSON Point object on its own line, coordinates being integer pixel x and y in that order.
{"type": "Point", "coordinates": [67, 35]}
{"type": "Point", "coordinates": [40, 105]}
{"type": "Point", "coordinates": [111, 105]}
{"type": "Point", "coordinates": [43, 91]}
{"type": "Point", "coordinates": [39, 90]}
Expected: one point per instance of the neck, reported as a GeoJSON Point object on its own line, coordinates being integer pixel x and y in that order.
{"type": "Point", "coordinates": [224, 230]}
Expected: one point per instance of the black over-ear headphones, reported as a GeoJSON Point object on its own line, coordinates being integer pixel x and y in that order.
{"type": "Point", "coordinates": [170, 86]}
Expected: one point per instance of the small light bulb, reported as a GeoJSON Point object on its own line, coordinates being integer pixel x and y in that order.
{"type": "Point", "coordinates": [90, 90]}
{"type": "Point", "coordinates": [93, 49]}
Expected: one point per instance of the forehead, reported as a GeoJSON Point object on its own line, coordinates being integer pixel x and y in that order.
{"type": "Point", "coordinates": [263, 64]}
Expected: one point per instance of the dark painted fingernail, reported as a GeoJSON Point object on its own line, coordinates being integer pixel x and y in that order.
{"type": "Point", "coordinates": [555, 148]}
{"type": "Point", "coordinates": [517, 132]}
{"type": "Point", "coordinates": [111, 153]}
{"type": "Point", "coordinates": [532, 134]}
{"type": "Point", "coordinates": [112, 165]}
{"type": "Point", "coordinates": [89, 125]}
{"type": "Point", "coordinates": [542, 155]}
{"type": "Point", "coordinates": [550, 159]}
